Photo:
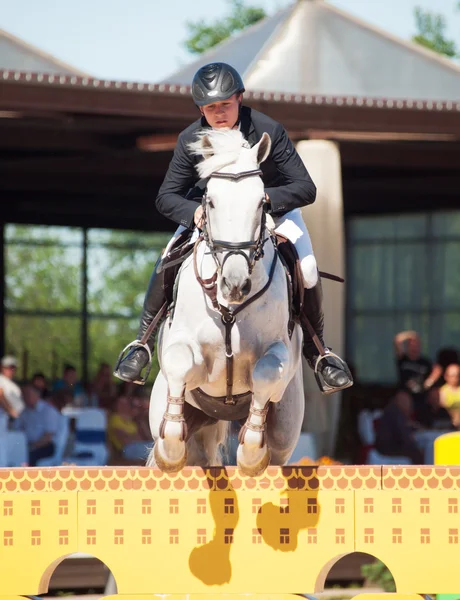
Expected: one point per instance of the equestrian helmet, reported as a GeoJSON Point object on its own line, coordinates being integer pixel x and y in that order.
{"type": "Point", "coordinates": [215, 82]}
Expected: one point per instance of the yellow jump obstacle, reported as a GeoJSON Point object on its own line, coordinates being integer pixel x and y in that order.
{"type": "Point", "coordinates": [217, 532]}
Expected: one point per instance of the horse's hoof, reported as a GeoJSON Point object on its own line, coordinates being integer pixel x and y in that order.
{"type": "Point", "coordinates": [168, 467]}
{"type": "Point", "coordinates": [257, 469]}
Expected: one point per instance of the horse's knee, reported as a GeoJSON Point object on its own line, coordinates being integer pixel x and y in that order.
{"type": "Point", "coordinates": [309, 271]}
{"type": "Point", "coordinates": [178, 361]}
{"type": "Point", "coordinates": [270, 369]}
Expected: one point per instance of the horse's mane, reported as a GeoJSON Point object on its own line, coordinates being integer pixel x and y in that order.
{"type": "Point", "coordinates": [225, 148]}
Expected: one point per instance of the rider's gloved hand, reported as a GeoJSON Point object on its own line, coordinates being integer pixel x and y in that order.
{"type": "Point", "coordinates": [198, 217]}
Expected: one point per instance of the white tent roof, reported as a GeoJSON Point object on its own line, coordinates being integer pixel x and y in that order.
{"type": "Point", "coordinates": [311, 47]}
{"type": "Point", "coordinates": [17, 55]}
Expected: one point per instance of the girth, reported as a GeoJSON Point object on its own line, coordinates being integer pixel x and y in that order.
{"type": "Point", "coordinates": [217, 407]}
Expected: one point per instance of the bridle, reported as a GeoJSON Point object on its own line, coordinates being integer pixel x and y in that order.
{"type": "Point", "coordinates": [256, 247]}
{"type": "Point", "coordinates": [209, 285]}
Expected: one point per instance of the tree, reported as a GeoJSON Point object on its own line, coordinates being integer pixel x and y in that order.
{"type": "Point", "coordinates": [431, 30]}
{"type": "Point", "coordinates": [204, 35]}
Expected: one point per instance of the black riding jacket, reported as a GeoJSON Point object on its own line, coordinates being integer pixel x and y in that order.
{"type": "Point", "coordinates": [285, 177]}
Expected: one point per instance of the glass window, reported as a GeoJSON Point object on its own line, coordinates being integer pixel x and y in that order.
{"type": "Point", "coordinates": [446, 224]}
{"type": "Point", "coordinates": [44, 344]}
{"type": "Point", "coordinates": [403, 273]}
{"type": "Point", "coordinates": [44, 294]}
{"type": "Point", "coordinates": [118, 279]}
{"type": "Point", "coordinates": [107, 337]}
{"type": "Point", "coordinates": [42, 277]}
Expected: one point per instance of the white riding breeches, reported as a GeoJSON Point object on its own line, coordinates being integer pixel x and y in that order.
{"type": "Point", "coordinates": [292, 226]}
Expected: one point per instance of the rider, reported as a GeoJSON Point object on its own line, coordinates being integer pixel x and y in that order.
{"type": "Point", "coordinates": [217, 90]}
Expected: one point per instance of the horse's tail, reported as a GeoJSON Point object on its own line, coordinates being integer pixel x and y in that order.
{"type": "Point", "coordinates": [210, 446]}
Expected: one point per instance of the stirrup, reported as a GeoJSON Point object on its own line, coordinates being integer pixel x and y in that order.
{"type": "Point", "coordinates": [325, 388]}
{"type": "Point", "coordinates": [122, 355]}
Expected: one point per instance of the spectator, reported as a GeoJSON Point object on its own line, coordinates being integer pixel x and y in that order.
{"type": "Point", "coordinates": [123, 432]}
{"type": "Point", "coordinates": [60, 399]}
{"type": "Point", "coordinates": [395, 429]}
{"type": "Point", "coordinates": [69, 382]}
{"type": "Point", "coordinates": [413, 371]}
{"type": "Point", "coordinates": [40, 422]}
{"type": "Point", "coordinates": [449, 394]}
{"type": "Point", "coordinates": [444, 358]}
{"type": "Point", "coordinates": [141, 417]}
{"type": "Point", "coordinates": [104, 387]}
{"type": "Point", "coordinates": [413, 368]}
{"type": "Point", "coordinates": [11, 401]}
{"type": "Point", "coordinates": [440, 418]}
{"type": "Point", "coordinates": [39, 381]}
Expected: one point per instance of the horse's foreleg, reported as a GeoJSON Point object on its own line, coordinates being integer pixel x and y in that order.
{"type": "Point", "coordinates": [180, 369]}
{"type": "Point", "coordinates": [269, 382]}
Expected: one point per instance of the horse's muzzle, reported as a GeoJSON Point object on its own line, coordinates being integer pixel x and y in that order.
{"type": "Point", "coordinates": [235, 293]}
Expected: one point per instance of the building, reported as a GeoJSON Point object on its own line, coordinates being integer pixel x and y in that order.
{"type": "Point", "coordinates": [377, 122]}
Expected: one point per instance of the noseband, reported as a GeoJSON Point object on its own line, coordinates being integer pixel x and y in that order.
{"type": "Point", "coordinates": [234, 248]}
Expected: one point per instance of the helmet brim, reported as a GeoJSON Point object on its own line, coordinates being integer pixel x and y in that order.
{"type": "Point", "coordinates": [219, 98]}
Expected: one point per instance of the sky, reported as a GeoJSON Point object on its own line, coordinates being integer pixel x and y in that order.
{"type": "Point", "coordinates": [142, 40]}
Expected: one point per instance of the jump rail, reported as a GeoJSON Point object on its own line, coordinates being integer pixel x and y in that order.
{"type": "Point", "coordinates": [215, 531]}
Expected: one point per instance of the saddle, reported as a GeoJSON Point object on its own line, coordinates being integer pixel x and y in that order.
{"type": "Point", "coordinates": [291, 262]}
{"type": "Point", "coordinates": [172, 262]}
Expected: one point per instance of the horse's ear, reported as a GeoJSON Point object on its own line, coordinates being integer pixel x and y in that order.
{"type": "Point", "coordinates": [263, 148]}
{"type": "Point", "coordinates": [206, 146]}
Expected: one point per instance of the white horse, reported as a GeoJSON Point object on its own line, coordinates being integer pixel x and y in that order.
{"type": "Point", "coordinates": [213, 373]}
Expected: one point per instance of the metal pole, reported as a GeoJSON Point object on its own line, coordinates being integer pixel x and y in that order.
{"type": "Point", "coordinates": [84, 320]}
{"type": "Point", "coordinates": [2, 290]}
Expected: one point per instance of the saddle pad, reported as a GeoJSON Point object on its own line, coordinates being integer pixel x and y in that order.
{"type": "Point", "coordinates": [291, 260]}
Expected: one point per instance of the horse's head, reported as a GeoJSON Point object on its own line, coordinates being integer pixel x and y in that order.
{"type": "Point", "coordinates": [233, 205]}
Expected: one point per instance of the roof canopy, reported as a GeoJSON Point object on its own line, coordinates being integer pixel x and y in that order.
{"type": "Point", "coordinates": [312, 47]}
{"type": "Point", "coordinates": [15, 54]}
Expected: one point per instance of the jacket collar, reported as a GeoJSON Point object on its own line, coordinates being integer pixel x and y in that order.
{"type": "Point", "coordinates": [247, 126]}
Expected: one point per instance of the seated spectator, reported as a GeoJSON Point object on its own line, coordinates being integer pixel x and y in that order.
{"type": "Point", "coordinates": [104, 387]}
{"type": "Point", "coordinates": [440, 418]}
{"type": "Point", "coordinates": [70, 383]}
{"type": "Point", "coordinates": [449, 394]}
{"type": "Point", "coordinates": [39, 381]}
{"type": "Point", "coordinates": [444, 358]}
{"type": "Point", "coordinates": [40, 422]}
{"type": "Point", "coordinates": [123, 432]}
{"type": "Point", "coordinates": [395, 429]}
{"type": "Point", "coordinates": [60, 399]}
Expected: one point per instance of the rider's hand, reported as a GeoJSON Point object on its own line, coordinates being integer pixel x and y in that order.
{"type": "Point", "coordinates": [198, 218]}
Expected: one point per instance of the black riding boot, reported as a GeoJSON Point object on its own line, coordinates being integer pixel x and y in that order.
{"type": "Point", "coordinates": [130, 367]}
{"type": "Point", "coordinates": [331, 372]}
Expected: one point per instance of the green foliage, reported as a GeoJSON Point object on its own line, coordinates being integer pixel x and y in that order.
{"type": "Point", "coordinates": [204, 35]}
{"type": "Point", "coordinates": [431, 30]}
{"type": "Point", "coordinates": [379, 574]}
{"type": "Point", "coordinates": [44, 275]}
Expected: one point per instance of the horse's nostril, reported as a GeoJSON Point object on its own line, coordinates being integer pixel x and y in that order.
{"type": "Point", "coordinates": [246, 287]}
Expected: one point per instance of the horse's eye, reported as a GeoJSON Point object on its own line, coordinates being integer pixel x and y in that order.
{"type": "Point", "coordinates": [210, 203]}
